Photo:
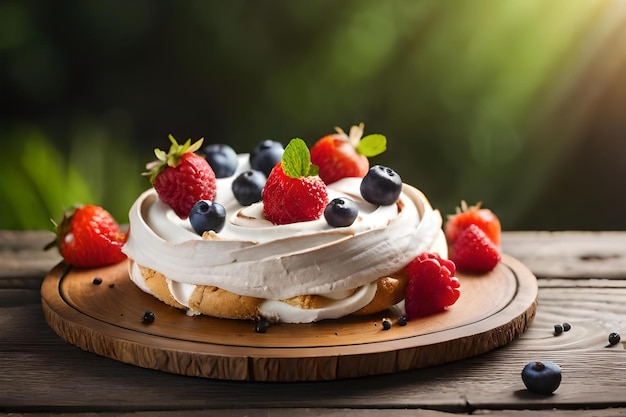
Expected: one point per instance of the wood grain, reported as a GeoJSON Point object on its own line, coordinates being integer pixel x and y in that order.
{"type": "Point", "coordinates": [577, 255]}
{"type": "Point", "coordinates": [23, 260]}
{"type": "Point", "coordinates": [106, 319]}
{"type": "Point", "coordinates": [44, 375]}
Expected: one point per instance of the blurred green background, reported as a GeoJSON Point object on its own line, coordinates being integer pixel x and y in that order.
{"type": "Point", "coordinates": [516, 103]}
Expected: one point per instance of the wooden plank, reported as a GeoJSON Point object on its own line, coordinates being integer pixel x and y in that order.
{"type": "Point", "coordinates": [569, 254]}
{"type": "Point", "coordinates": [334, 412]}
{"type": "Point", "coordinates": [260, 412]}
{"type": "Point", "coordinates": [39, 360]}
{"type": "Point", "coordinates": [106, 319]}
{"type": "Point", "coordinates": [23, 260]}
{"type": "Point", "coordinates": [581, 282]}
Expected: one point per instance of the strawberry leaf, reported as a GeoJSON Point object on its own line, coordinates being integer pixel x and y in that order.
{"type": "Point", "coordinates": [372, 145]}
{"type": "Point", "coordinates": [296, 160]}
{"type": "Point", "coordinates": [171, 158]}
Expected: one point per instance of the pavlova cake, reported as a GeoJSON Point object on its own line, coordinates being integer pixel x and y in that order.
{"type": "Point", "coordinates": [289, 234]}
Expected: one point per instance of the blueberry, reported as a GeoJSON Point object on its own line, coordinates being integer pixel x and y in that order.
{"type": "Point", "coordinates": [207, 215]}
{"type": "Point", "coordinates": [381, 185]}
{"type": "Point", "coordinates": [341, 212]}
{"type": "Point", "coordinates": [558, 329]}
{"type": "Point", "coordinates": [261, 326]}
{"type": "Point", "coordinates": [614, 338]}
{"type": "Point", "coordinates": [403, 320]}
{"type": "Point", "coordinates": [247, 187]}
{"type": "Point", "coordinates": [566, 327]}
{"type": "Point", "coordinates": [265, 155]}
{"type": "Point", "coordinates": [542, 377]}
{"type": "Point", "coordinates": [222, 158]}
{"type": "Point", "coordinates": [148, 317]}
{"type": "Point", "coordinates": [97, 281]}
{"type": "Point", "coordinates": [386, 324]}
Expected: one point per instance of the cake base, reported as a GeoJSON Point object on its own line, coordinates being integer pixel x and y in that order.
{"type": "Point", "coordinates": [106, 318]}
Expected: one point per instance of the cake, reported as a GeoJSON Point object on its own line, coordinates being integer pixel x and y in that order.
{"type": "Point", "coordinates": [300, 272]}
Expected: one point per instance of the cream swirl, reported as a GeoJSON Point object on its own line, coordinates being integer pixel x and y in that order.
{"type": "Point", "coordinates": [254, 257]}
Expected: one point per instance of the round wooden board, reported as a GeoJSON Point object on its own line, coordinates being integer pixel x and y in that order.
{"type": "Point", "coordinates": [105, 319]}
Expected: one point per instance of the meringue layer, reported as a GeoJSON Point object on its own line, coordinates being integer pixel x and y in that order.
{"type": "Point", "coordinates": [253, 257]}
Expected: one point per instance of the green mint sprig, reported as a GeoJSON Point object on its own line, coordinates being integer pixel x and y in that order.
{"type": "Point", "coordinates": [296, 160]}
{"type": "Point", "coordinates": [372, 145]}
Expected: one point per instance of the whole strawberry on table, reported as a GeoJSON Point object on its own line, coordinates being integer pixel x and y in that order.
{"type": "Point", "coordinates": [89, 237]}
{"type": "Point", "coordinates": [473, 235]}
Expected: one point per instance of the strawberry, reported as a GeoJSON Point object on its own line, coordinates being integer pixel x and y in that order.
{"type": "Point", "coordinates": [181, 177]}
{"type": "Point", "coordinates": [432, 286]}
{"type": "Point", "coordinates": [89, 237]}
{"type": "Point", "coordinates": [474, 252]}
{"type": "Point", "coordinates": [293, 191]}
{"type": "Point", "coordinates": [339, 155]}
{"type": "Point", "coordinates": [484, 218]}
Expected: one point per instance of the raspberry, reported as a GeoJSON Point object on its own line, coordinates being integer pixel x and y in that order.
{"type": "Point", "coordinates": [432, 286]}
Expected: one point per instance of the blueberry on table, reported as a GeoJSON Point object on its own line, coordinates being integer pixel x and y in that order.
{"type": "Point", "coordinates": [248, 186]}
{"type": "Point", "coordinates": [261, 326]}
{"type": "Point", "coordinates": [381, 185]}
{"type": "Point", "coordinates": [542, 377]}
{"type": "Point", "coordinates": [148, 317]}
{"type": "Point", "coordinates": [341, 212]}
{"type": "Point", "coordinates": [386, 324]}
{"type": "Point", "coordinates": [266, 155]}
{"type": "Point", "coordinates": [222, 158]}
{"type": "Point", "coordinates": [614, 338]}
{"type": "Point", "coordinates": [207, 215]}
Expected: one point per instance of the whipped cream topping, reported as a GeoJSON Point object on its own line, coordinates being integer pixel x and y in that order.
{"type": "Point", "coordinates": [253, 257]}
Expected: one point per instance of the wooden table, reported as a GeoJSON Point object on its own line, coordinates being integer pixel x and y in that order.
{"type": "Point", "coordinates": [582, 281]}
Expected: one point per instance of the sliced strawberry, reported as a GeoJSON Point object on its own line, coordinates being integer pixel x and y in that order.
{"type": "Point", "coordinates": [465, 215]}
{"type": "Point", "coordinates": [340, 155]}
{"type": "Point", "coordinates": [474, 252]}
{"type": "Point", "coordinates": [90, 237]}
{"type": "Point", "coordinates": [293, 191]}
{"type": "Point", "coordinates": [181, 177]}
{"type": "Point", "coordinates": [432, 286]}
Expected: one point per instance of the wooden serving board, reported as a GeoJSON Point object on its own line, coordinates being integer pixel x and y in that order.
{"type": "Point", "coordinates": [106, 319]}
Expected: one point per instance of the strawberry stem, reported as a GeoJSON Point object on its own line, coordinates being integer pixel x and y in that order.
{"type": "Point", "coordinates": [171, 158]}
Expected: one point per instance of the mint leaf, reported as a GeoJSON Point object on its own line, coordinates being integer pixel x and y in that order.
{"type": "Point", "coordinates": [372, 145]}
{"type": "Point", "coordinates": [296, 160]}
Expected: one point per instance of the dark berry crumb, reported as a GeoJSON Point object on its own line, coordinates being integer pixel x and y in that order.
{"type": "Point", "coordinates": [148, 317]}
{"type": "Point", "coordinates": [261, 326]}
{"type": "Point", "coordinates": [614, 338]}
{"type": "Point", "coordinates": [403, 320]}
{"type": "Point", "coordinates": [558, 329]}
{"type": "Point", "coordinates": [566, 327]}
{"type": "Point", "coordinates": [97, 281]}
{"type": "Point", "coordinates": [386, 324]}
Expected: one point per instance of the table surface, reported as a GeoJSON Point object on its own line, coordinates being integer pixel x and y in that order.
{"type": "Point", "coordinates": [581, 278]}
